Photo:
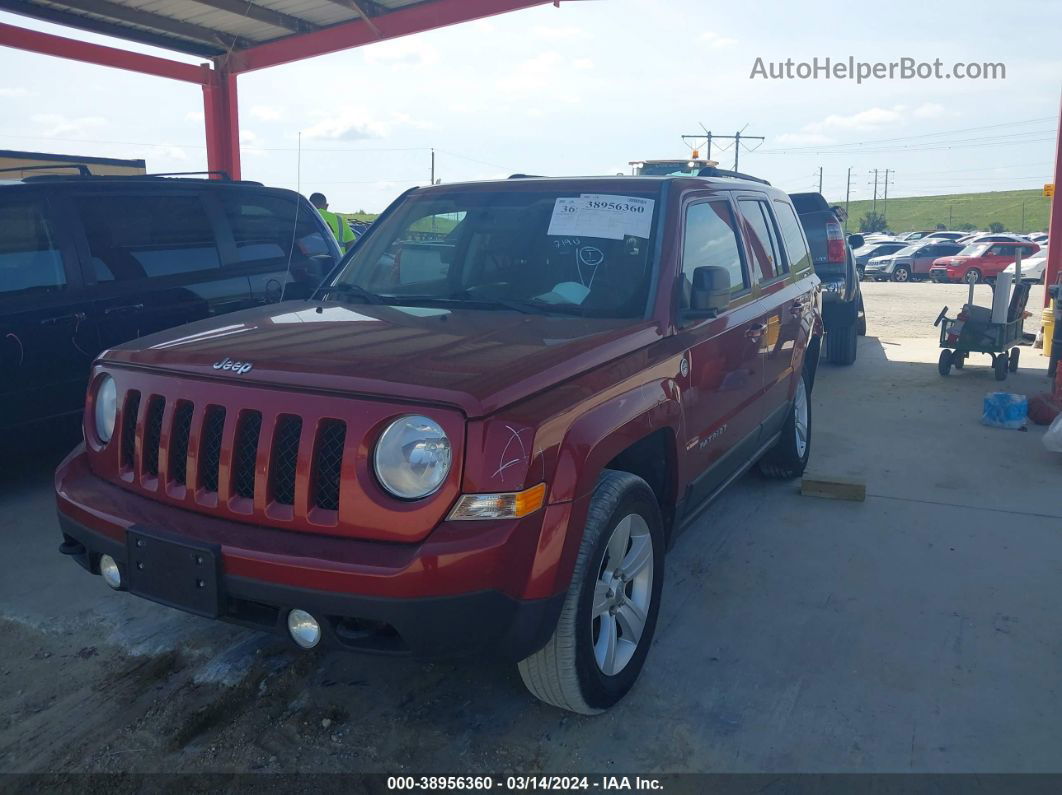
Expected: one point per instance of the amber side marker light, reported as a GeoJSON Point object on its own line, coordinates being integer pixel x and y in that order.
{"type": "Point", "coordinates": [510, 505]}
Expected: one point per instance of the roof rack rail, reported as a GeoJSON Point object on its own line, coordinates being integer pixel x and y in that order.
{"type": "Point", "coordinates": [217, 172]}
{"type": "Point", "coordinates": [712, 171]}
{"type": "Point", "coordinates": [82, 169]}
{"type": "Point", "coordinates": [523, 176]}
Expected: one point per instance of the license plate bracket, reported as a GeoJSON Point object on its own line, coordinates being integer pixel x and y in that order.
{"type": "Point", "coordinates": [174, 572]}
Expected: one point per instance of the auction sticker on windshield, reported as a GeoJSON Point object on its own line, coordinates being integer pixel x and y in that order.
{"type": "Point", "coordinates": [602, 215]}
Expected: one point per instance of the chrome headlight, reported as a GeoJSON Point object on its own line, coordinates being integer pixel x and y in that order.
{"type": "Point", "coordinates": [412, 458]}
{"type": "Point", "coordinates": [106, 403]}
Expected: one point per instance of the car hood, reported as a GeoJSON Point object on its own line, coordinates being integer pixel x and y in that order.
{"type": "Point", "coordinates": [476, 360]}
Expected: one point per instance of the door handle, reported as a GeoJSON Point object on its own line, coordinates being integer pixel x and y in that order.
{"type": "Point", "coordinates": [756, 331]}
{"type": "Point", "coordinates": [77, 317]}
{"type": "Point", "coordinates": [127, 308]}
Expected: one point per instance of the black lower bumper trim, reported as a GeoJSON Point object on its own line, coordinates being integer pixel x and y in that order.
{"type": "Point", "coordinates": [484, 623]}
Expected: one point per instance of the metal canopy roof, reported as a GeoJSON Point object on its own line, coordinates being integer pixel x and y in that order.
{"type": "Point", "coordinates": [213, 28]}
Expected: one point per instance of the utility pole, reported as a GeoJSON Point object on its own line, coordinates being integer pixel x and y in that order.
{"type": "Point", "coordinates": [820, 179]}
{"type": "Point", "coordinates": [433, 165]}
{"type": "Point", "coordinates": [885, 202]}
{"type": "Point", "coordinates": [874, 206]}
{"type": "Point", "coordinates": [847, 196]}
{"type": "Point", "coordinates": [737, 137]}
{"type": "Point", "coordinates": [707, 135]}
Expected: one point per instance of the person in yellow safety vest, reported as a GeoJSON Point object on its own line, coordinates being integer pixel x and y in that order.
{"type": "Point", "coordinates": [335, 222]}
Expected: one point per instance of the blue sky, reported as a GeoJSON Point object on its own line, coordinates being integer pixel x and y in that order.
{"type": "Point", "coordinates": [586, 88]}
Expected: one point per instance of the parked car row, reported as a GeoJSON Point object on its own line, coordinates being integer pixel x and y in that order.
{"type": "Point", "coordinates": [944, 260]}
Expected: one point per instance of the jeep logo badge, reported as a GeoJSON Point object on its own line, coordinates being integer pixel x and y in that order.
{"type": "Point", "coordinates": [239, 368]}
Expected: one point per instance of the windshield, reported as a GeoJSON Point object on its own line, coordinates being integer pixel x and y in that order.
{"type": "Point", "coordinates": [974, 250]}
{"type": "Point", "coordinates": [542, 252]}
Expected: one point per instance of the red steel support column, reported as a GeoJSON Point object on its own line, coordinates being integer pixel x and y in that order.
{"type": "Point", "coordinates": [220, 109]}
{"type": "Point", "coordinates": [1054, 230]}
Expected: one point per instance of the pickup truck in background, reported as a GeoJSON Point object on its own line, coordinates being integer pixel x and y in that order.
{"type": "Point", "coordinates": [843, 315]}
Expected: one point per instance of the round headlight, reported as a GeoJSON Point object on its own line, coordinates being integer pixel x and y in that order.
{"type": "Point", "coordinates": [106, 408]}
{"type": "Point", "coordinates": [412, 457]}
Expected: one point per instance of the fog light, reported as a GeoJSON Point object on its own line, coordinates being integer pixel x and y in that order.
{"type": "Point", "coordinates": [304, 629]}
{"type": "Point", "coordinates": [110, 572]}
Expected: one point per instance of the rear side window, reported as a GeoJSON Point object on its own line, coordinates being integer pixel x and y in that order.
{"type": "Point", "coordinates": [766, 262]}
{"type": "Point", "coordinates": [711, 239]}
{"type": "Point", "coordinates": [29, 256]}
{"type": "Point", "coordinates": [146, 237]}
{"type": "Point", "coordinates": [793, 236]}
{"type": "Point", "coordinates": [267, 229]}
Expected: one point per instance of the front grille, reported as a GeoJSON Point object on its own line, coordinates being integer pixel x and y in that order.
{"type": "Point", "coordinates": [182, 428]}
{"type": "Point", "coordinates": [153, 433]}
{"type": "Point", "coordinates": [285, 458]}
{"type": "Point", "coordinates": [132, 407]}
{"type": "Point", "coordinates": [327, 464]}
{"type": "Point", "coordinates": [245, 453]}
{"type": "Point", "coordinates": [273, 459]}
{"type": "Point", "coordinates": [210, 448]}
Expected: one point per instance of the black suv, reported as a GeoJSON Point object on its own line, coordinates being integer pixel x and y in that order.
{"type": "Point", "coordinates": [88, 262]}
{"type": "Point", "coordinates": [843, 315]}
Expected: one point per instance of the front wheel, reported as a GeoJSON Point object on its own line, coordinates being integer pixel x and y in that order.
{"type": "Point", "coordinates": [999, 366]}
{"type": "Point", "coordinates": [606, 626]}
{"type": "Point", "coordinates": [944, 362]}
{"type": "Point", "coordinates": [1012, 362]}
{"type": "Point", "coordinates": [901, 274]}
{"type": "Point", "coordinates": [973, 276]}
{"type": "Point", "coordinates": [789, 456]}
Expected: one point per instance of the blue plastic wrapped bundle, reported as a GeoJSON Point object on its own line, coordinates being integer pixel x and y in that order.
{"type": "Point", "coordinates": [1004, 410]}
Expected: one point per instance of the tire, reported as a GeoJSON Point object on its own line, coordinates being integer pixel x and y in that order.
{"type": "Point", "coordinates": [944, 362]}
{"type": "Point", "coordinates": [999, 366]}
{"type": "Point", "coordinates": [861, 321]}
{"type": "Point", "coordinates": [958, 360]}
{"type": "Point", "coordinates": [789, 456]}
{"type": "Point", "coordinates": [1012, 362]}
{"type": "Point", "coordinates": [901, 274]}
{"type": "Point", "coordinates": [566, 672]}
{"type": "Point", "coordinates": [972, 276]}
{"type": "Point", "coordinates": [841, 344]}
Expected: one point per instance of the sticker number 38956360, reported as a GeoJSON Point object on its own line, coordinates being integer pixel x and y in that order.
{"type": "Point", "coordinates": [602, 215]}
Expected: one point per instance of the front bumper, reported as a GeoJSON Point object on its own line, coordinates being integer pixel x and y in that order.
{"type": "Point", "coordinates": [942, 275]}
{"type": "Point", "coordinates": [464, 591]}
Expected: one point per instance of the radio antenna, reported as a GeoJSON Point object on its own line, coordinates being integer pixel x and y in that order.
{"type": "Point", "coordinates": [295, 223]}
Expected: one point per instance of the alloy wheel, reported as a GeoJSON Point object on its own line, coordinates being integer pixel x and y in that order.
{"type": "Point", "coordinates": [622, 594]}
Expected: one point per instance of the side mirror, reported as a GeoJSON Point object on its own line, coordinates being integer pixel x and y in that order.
{"type": "Point", "coordinates": [711, 290]}
{"type": "Point", "coordinates": [856, 241]}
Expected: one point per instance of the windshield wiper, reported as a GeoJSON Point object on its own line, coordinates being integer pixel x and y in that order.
{"type": "Point", "coordinates": [347, 289]}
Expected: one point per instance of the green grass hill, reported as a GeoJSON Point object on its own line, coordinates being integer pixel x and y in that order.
{"type": "Point", "coordinates": [980, 209]}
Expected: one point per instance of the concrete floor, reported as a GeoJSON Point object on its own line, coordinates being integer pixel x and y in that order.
{"type": "Point", "coordinates": [917, 631]}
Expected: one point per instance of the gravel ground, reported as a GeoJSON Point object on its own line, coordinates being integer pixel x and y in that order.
{"type": "Point", "coordinates": [908, 310]}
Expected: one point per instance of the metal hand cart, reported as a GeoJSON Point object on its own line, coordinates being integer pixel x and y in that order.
{"type": "Point", "coordinates": [973, 331]}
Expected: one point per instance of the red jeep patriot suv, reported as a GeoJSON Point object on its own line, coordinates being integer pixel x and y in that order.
{"type": "Point", "coordinates": [480, 434]}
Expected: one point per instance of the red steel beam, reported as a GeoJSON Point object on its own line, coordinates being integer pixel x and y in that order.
{"type": "Point", "coordinates": [62, 47]}
{"type": "Point", "coordinates": [222, 119]}
{"type": "Point", "coordinates": [402, 22]}
{"type": "Point", "coordinates": [1054, 230]}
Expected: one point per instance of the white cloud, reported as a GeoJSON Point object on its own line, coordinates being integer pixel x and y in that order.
{"type": "Point", "coordinates": [56, 124]}
{"type": "Point", "coordinates": [410, 51]}
{"type": "Point", "coordinates": [717, 41]}
{"type": "Point", "coordinates": [545, 72]}
{"type": "Point", "coordinates": [583, 63]}
{"type": "Point", "coordinates": [803, 139]}
{"type": "Point", "coordinates": [266, 112]}
{"type": "Point", "coordinates": [14, 92]}
{"type": "Point", "coordinates": [556, 33]}
{"type": "Point", "coordinates": [347, 124]}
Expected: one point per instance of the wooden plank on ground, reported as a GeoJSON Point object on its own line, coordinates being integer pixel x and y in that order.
{"type": "Point", "coordinates": [833, 487]}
